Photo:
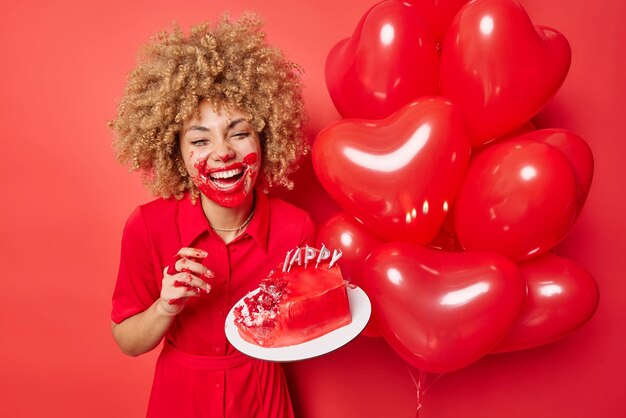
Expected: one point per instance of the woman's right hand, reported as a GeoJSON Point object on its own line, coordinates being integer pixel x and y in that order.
{"type": "Point", "coordinates": [185, 282]}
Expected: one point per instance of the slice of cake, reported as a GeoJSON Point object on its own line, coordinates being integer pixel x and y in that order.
{"type": "Point", "coordinates": [294, 304]}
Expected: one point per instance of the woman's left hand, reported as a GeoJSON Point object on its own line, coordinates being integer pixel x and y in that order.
{"type": "Point", "coordinates": [185, 276]}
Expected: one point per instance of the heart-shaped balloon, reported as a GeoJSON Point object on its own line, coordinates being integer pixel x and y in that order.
{"type": "Point", "coordinates": [442, 311]}
{"type": "Point", "coordinates": [438, 14]}
{"type": "Point", "coordinates": [499, 67]}
{"type": "Point", "coordinates": [562, 296]}
{"type": "Point", "coordinates": [390, 60]}
{"type": "Point", "coordinates": [519, 199]}
{"type": "Point", "coordinates": [345, 233]}
{"type": "Point", "coordinates": [399, 175]}
{"type": "Point", "coordinates": [577, 152]}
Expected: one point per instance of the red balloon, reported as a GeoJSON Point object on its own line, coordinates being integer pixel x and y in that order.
{"type": "Point", "coordinates": [577, 152]}
{"type": "Point", "coordinates": [438, 14]}
{"type": "Point", "coordinates": [519, 199]}
{"type": "Point", "coordinates": [390, 60]}
{"type": "Point", "coordinates": [344, 232]}
{"type": "Point", "coordinates": [499, 67]}
{"type": "Point", "coordinates": [442, 311]}
{"type": "Point", "coordinates": [562, 296]}
{"type": "Point", "coordinates": [399, 175]}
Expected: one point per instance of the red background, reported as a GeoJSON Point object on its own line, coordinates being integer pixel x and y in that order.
{"type": "Point", "coordinates": [65, 202]}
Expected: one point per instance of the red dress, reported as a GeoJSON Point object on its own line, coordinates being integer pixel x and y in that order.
{"type": "Point", "coordinates": [199, 373]}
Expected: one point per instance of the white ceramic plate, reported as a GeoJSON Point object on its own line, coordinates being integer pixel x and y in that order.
{"type": "Point", "coordinates": [360, 308]}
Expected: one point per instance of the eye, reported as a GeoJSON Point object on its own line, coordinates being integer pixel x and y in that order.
{"type": "Point", "coordinates": [199, 142]}
{"type": "Point", "coordinates": [241, 135]}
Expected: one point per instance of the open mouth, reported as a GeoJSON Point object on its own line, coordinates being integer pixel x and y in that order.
{"type": "Point", "coordinates": [227, 178]}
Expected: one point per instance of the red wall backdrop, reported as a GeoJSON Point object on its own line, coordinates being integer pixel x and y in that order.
{"type": "Point", "coordinates": [65, 202]}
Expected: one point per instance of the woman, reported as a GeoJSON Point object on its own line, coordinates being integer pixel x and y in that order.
{"type": "Point", "coordinates": [211, 120]}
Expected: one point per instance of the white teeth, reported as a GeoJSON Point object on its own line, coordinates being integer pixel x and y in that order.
{"type": "Point", "coordinates": [226, 174]}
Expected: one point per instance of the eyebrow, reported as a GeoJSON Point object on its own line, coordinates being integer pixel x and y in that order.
{"type": "Point", "coordinates": [205, 129]}
{"type": "Point", "coordinates": [197, 128]}
{"type": "Point", "coordinates": [235, 122]}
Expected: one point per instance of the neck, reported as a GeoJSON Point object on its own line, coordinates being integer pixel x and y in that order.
{"type": "Point", "coordinates": [222, 218]}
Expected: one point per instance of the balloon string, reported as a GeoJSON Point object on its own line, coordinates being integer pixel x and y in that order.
{"type": "Point", "coordinates": [421, 386]}
{"type": "Point", "coordinates": [417, 384]}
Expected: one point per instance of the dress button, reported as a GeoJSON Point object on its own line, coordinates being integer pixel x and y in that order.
{"type": "Point", "coordinates": [218, 349]}
{"type": "Point", "coordinates": [220, 312]}
{"type": "Point", "coordinates": [232, 249]}
{"type": "Point", "coordinates": [217, 385]}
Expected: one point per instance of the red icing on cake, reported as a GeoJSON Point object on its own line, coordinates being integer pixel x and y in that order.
{"type": "Point", "coordinates": [293, 307]}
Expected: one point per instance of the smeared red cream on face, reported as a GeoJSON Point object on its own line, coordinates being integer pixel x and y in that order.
{"type": "Point", "coordinates": [227, 186]}
{"type": "Point", "coordinates": [250, 158]}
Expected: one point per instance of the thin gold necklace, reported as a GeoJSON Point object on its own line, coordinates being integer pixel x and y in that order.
{"type": "Point", "coordinates": [246, 222]}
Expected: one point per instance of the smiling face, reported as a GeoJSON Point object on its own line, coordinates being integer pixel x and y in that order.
{"type": "Point", "coordinates": [222, 154]}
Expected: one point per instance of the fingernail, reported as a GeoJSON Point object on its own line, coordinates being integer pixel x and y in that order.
{"type": "Point", "coordinates": [200, 253]}
{"type": "Point", "coordinates": [209, 274]}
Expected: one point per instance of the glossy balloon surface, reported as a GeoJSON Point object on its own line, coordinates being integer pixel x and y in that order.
{"type": "Point", "coordinates": [390, 60]}
{"type": "Point", "coordinates": [499, 67]}
{"type": "Point", "coordinates": [399, 175]}
{"type": "Point", "coordinates": [442, 311]}
{"type": "Point", "coordinates": [519, 199]}
{"type": "Point", "coordinates": [562, 296]}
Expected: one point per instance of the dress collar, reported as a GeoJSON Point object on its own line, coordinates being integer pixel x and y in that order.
{"type": "Point", "coordinates": [192, 222]}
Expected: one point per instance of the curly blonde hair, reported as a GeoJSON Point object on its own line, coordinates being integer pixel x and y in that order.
{"type": "Point", "coordinates": [229, 65]}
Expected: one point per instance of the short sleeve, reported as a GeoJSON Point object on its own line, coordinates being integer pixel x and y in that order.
{"type": "Point", "coordinates": [137, 287]}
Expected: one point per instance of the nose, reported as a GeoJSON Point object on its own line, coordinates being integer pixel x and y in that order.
{"type": "Point", "coordinates": [223, 152]}
{"type": "Point", "coordinates": [225, 157]}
